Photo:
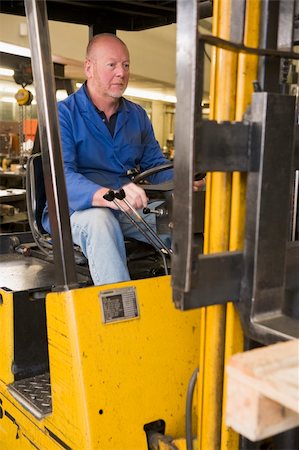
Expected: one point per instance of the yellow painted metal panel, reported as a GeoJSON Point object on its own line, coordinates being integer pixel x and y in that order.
{"type": "Point", "coordinates": [107, 380]}
{"type": "Point", "coordinates": [18, 429]}
{"type": "Point", "coordinates": [6, 336]}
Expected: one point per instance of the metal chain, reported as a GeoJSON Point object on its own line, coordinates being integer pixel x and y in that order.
{"type": "Point", "coordinates": [21, 134]}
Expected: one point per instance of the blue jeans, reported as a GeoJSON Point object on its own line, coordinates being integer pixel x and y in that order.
{"type": "Point", "coordinates": [100, 233]}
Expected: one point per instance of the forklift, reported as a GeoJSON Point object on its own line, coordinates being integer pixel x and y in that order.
{"type": "Point", "coordinates": [140, 365]}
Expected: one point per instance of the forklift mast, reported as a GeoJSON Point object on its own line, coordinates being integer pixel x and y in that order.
{"type": "Point", "coordinates": [256, 137]}
{"type": "Point", "coordinates": [248, 275]}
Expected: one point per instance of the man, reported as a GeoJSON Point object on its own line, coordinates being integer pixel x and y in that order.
{"type": "Point", "coordinates": [103, 137]}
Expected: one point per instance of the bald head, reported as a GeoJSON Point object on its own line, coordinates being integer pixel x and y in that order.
{"type": "Point", "coordinates": [99, 39]}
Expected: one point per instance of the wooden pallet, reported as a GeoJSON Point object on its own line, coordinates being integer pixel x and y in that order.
{"type": "Point", "coordinates": [263, 390]}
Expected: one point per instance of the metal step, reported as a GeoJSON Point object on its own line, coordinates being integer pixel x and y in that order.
{"type": "Point", "coordinates": [34, 394]}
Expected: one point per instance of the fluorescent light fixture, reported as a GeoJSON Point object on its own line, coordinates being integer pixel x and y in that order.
{"type": "Point", "coordinates": [6, 72]}
{"type": "Point", "coordinates": [13, 100]}
{"type": "Point", "coordinates": [150, 95]}
{"type": "Point", "coordinates": [14, 49]}
{"type": "Point", "coordinates": [8, 100]}
{"type": "Point", "coordinates": [146, 94]}
{"type": "Point", "coordinates": [8, 88]}
{"type": "Point", "coordinates": [61, 95]}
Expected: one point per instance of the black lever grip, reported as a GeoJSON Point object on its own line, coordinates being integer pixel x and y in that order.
{"type": "Point", "coordinates": [120, 195]}
{"type": "Point", "coordinates": [109, 196]}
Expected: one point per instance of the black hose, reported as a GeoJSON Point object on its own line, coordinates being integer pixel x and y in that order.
{"type": "Point", "coordinates": [189, 401]}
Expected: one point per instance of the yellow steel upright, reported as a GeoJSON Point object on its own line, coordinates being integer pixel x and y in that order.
{"type": "Point", "coordinates": [231, 88]}
{"type": "Point", "coordinates": [222, 105]}
{"type": "Point", "coordinates": [247, 73]}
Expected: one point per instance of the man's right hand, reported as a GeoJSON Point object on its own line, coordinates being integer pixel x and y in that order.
{"type": "Point", "coordinates": [135, 195]}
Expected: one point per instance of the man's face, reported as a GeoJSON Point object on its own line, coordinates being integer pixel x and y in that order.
{"type": "Point", "coordinates": [107, 68]}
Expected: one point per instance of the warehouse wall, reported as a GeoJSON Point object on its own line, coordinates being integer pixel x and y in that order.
{"type": "Point", "coordinates": [152, 51]}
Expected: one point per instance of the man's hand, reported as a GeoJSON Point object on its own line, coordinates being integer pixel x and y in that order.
{"type": "Point", "coordinates": [199, 184]}
{"type": "Point", "coordinates": [134, 194]}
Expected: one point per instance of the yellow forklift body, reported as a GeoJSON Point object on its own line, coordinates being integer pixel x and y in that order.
{"type": "Point", "coordinates": [6, 336]}
{"type": "Point", "coordinates": [107, 379]}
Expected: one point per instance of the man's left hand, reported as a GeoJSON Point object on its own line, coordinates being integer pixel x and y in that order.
{"type": "Point", "coordinates": [199, 184]}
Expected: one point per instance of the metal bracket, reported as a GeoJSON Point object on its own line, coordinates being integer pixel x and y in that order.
{"type": "Point", "coordinates": [263, 294]}
{"type": "Point", "coordinates": [215, 279]}
{"type": "Point", "coordinates": [227, 147]}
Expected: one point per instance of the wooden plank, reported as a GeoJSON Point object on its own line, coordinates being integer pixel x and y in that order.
{"type": "Point", "coordinates": [263, 390]}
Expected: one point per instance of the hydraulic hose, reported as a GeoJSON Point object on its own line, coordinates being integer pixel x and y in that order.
{"type": "Point", "coordinates": [189, 401]}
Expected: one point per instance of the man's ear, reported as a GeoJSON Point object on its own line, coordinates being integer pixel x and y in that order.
{"type": "Point", "coordinates": [88, 68]}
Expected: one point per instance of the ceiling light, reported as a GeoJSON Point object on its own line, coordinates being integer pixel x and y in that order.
{"type": "Point", "coordinates": [8, 88]}
{"type": "Point", "coordinates": [146, 94]}
{"type": "Point", "coordinates": [150, 95]}
{"type": "Point", "coordinates": [14, 49]}
{"type": "Point", "coordinates": [61, 95]}
{"type": "Point", "coordinates": [7, 100]}
{"type": "Point", "coordinates": [6, 72]}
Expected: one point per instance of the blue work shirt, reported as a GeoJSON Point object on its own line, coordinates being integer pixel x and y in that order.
{"type": "Point", "coordinates": [94, 159]}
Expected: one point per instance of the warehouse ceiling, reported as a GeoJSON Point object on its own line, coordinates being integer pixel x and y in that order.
{"type": "Point", "coordinates": [129, 15]}
{"type": "Point", "coordinates": [109, 15]}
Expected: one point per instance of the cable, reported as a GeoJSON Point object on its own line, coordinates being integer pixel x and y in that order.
{"type": "Point", "coordinates": [116, 197]}
{"type": "Point", "coordinates": [241, 48]}
{"type": "Point", "coordinates": [207, 55]}
{"type": "Point", "coordinates": [189, 401]}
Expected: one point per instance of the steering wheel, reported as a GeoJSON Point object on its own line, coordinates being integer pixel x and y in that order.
{"type": "Point", "coordinates": [147, 173]}
{"type": "Point", "coordinates": [165, 186]}
{"type": "Point", "coordinates": [165, 190]}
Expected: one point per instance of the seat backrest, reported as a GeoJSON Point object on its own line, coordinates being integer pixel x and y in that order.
{"type": "Point", "coordinates": [36, 201]}
{"type": "Point", "coordinates": [36, 193]}
{"type": "Point", "coordinates": [35, 187]}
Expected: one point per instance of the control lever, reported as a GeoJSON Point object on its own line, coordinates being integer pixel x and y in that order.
{"type": "Point", "coordinates": [159, 212]}
{"type": "Point", "coordinates": [121, 195]}
{"type": "Point", "coordinates": [112, 196]}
